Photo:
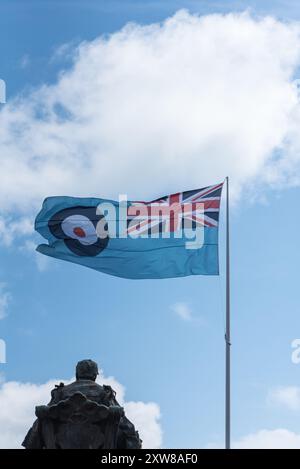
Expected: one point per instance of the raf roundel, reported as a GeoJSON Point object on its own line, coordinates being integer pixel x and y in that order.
{"type": "Point", "coordinates": [77, 227]}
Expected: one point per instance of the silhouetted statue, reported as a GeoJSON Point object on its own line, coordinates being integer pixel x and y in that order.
{"type": "Point", "coordinates": [82, 415]}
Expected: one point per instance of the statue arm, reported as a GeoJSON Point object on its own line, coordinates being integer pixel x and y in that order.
{"type": "Point", "coordinates": [33, 439]}
{"type": "Point", "coordinates": [56, 394]}
{"type": "Point", "coordinates": [128, 437]}
{"type": "Point", "coordinates": [110, 396]}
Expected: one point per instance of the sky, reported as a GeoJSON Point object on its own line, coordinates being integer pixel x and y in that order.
{"type": "Point", "coordinates": [148, 98]}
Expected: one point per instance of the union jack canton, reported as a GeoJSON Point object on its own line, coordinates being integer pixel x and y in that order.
{"type": "Point", "coordinates": [172, 213]}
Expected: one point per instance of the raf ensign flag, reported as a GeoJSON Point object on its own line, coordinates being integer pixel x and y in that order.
{"type": "Point", "coordinates": [173, 236]}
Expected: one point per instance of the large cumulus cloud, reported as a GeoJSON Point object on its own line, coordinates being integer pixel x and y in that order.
{"type": "Point", "coordinates": [159, 108]}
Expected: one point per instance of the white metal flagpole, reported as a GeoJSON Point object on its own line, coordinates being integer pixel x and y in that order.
{"type": "Point", "coordinates": [227, 333]}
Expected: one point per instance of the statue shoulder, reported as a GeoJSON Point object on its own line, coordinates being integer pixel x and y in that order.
{"type": "Point", "coordinates": [110, 394]}
{"type": "Point", "coordinates": [56, 393]}
{"type": "Point", "coordinates": [103, 394]}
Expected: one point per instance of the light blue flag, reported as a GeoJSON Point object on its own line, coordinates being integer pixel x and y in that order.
{"type": "Point", "coordinates": [174, 236]}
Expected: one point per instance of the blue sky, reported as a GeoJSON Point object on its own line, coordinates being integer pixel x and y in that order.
{"type": "Point", "coordinates": [61, 312]}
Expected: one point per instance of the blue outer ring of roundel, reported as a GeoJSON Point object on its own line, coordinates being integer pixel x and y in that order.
{"type": "Point", "coordinates": [55, 226]}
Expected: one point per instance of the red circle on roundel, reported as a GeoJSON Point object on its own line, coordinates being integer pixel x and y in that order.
{"type": "Point", "coordinates": [79, 232]}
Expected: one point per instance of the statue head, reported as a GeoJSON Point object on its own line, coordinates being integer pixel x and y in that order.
{"type": "Point", "coordinates": [87, 369]}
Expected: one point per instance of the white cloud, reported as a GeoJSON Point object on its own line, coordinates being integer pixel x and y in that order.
{"type": "Point", "coordinates": [182, 310]}
{"type": "Point", "coordinates": [159, 108]}
{"type": "Point", "coordinates": [5, 298]}
{"type": "Point", "coordinates": [25, 61]}
{"type": "Point", "coordinates": [279, 438]}
{"type": "Point", "coordinates": [286, 396]}
{"type": "Point", "coordinates": [10, 229]}
{"type": "Point", "coordinates": [18, 401]}
{"type": "Point", "coordinates": [146, 417]}
{"type": "Point", "coordinates": [29, 247]}
{"type": "Point", "coordinates": [269, 439]}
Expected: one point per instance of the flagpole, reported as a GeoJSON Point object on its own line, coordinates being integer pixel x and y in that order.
{"type": "Point", "coordinates": [227, 333]}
